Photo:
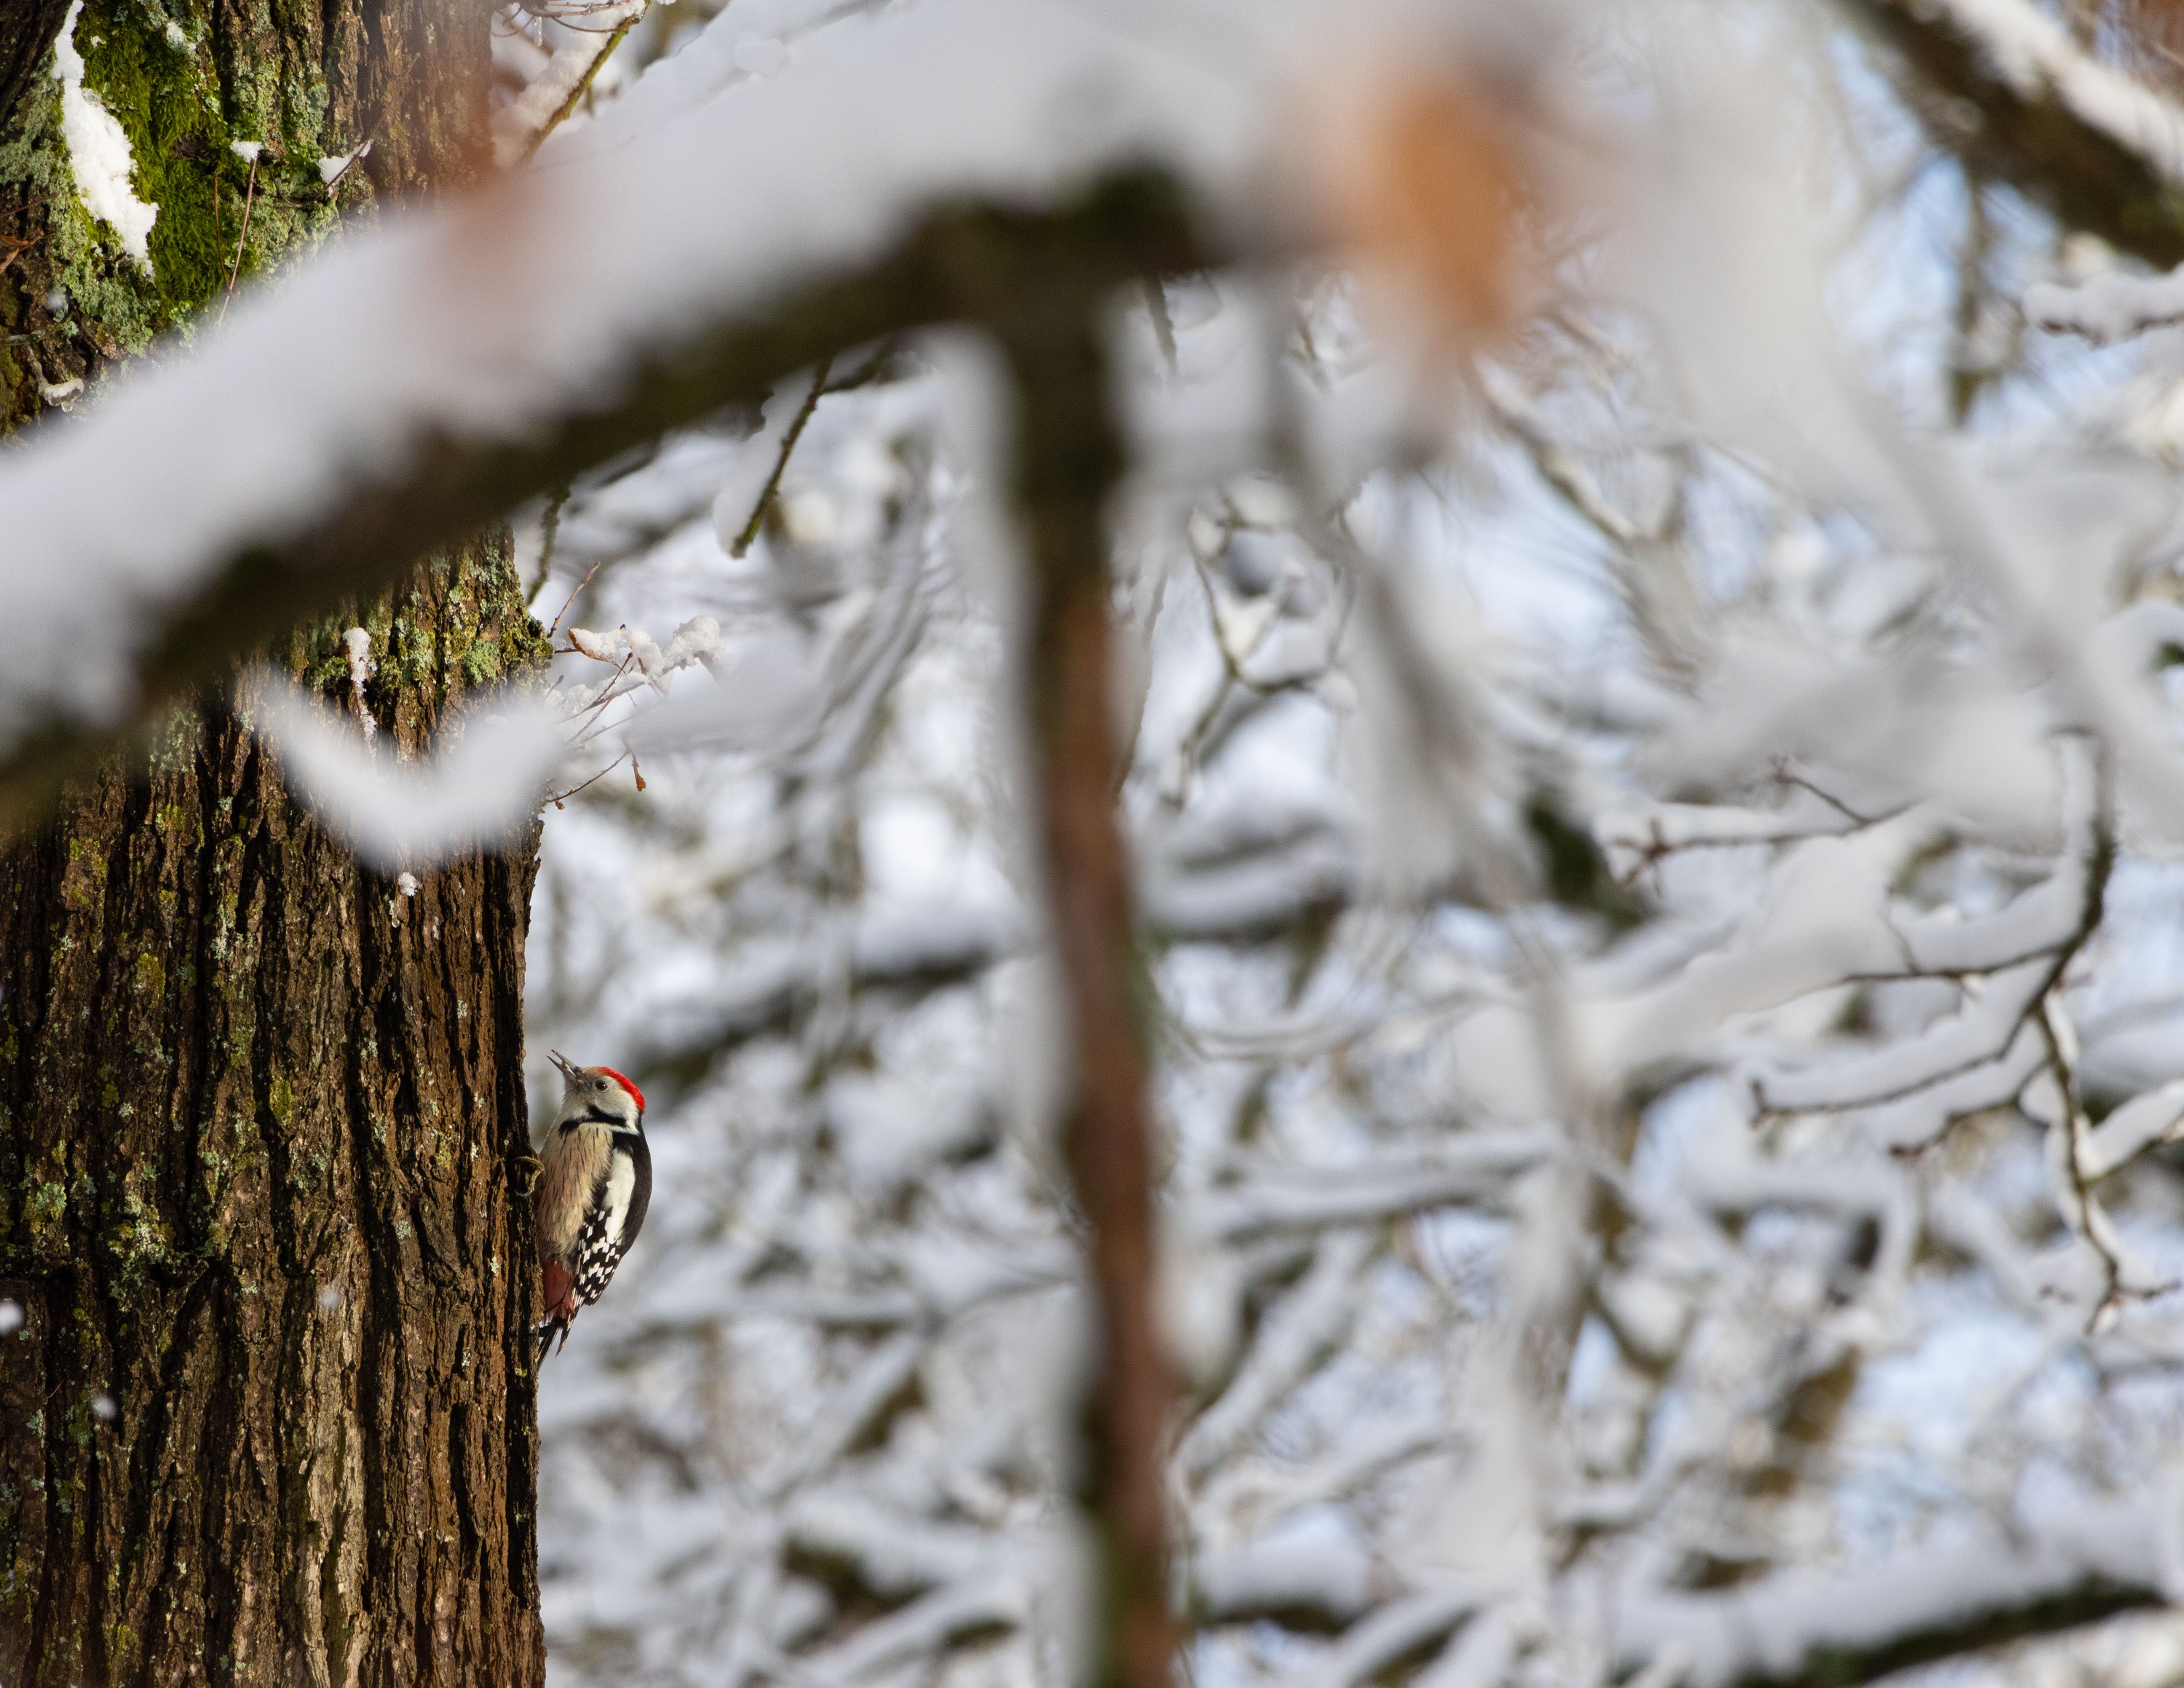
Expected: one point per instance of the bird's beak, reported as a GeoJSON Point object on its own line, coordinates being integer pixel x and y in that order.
{"type": "Point", "coordinates": [561, 1061]}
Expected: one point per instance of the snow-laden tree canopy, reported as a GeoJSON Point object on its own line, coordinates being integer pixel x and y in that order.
{"type": "Point", "coordinates": [1646, 573]}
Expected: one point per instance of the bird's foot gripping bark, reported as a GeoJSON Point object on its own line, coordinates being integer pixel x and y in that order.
{"type": "Point", "coordinates": [529, 1169]}
{"type": "Point", "coordinates": [547, 1331]}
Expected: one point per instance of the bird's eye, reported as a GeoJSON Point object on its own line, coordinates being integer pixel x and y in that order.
{"type": "Point", "coordinates": [599, 1084]}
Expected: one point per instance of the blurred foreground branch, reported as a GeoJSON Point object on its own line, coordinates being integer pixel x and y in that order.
{"type": "Point", "coordinates": [963, 262]}
{"type": "Point", "coordinates": [1068, 458]}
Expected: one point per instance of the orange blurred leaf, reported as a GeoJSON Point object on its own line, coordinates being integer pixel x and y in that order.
{"type": "Point", "coordinates": [1423, 184]}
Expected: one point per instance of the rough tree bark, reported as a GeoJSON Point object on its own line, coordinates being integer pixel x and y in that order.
{"type": "Point", "coordinates": [267, 1415]}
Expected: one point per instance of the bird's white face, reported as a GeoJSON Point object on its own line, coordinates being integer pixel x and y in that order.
{"type": "Point", "coordinates": [593, 1092]}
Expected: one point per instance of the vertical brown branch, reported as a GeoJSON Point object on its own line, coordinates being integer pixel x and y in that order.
{"type": "Point", "coordinates": [1068, 458]}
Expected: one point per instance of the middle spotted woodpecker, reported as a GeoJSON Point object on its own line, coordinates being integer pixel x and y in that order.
{"type": "Point", "coordinates": [594, 1184]}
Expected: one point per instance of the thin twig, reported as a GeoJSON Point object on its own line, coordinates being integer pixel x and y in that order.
{"type": "Point", "coordinates": [22, 243]}
{"type": "Point", "coordinates": [765, 496]}
{"type": "Point", "coordinates": [1783, 775]}
{"type": "Point", "coordinates": [559, 798]}
{"type": "Point", "coordinates": [2083, 1209]}
{"type": "Point", "coordinates": [581, 584]}
{"type": "Point", "coordinates": [550, 528]}
{"type": "Point", "coordinates": [561, 13]}
{"type": "Point", "coordinates": [614, 690]}
{"type": "Point", "coordinates": [355, 157]}
{"type": "Point", "coordinates": [249, 193]}
{"type": "Point", "coordinates": [16, 246]}
{"type": "Point", "coordinates": [1163, 324]}
{"type": "Point", "coordinates": [583, 86]}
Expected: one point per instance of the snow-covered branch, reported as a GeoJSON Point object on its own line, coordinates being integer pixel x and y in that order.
{"type": "Point", "coordinates": [2107, 308]}
{"type": "Point", "coordinates": [1640, 921]}
{"type": "Point", "coordinates": [2093, 1559]}
{"type": "Point", "coordinates": [2097, 145]}
{"type": "Point", "coordinates": [410, 387]}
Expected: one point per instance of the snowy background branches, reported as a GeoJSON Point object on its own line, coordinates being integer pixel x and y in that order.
{"type": "Point", "coordinates": [1647, 595]}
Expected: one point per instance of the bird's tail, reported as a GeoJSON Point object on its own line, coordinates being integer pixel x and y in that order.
{"type": "Point", "coordinates": [558, 1287]}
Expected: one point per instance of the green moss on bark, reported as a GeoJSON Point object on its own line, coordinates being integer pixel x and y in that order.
{"type": "Point", "coordinates": [152, 67]}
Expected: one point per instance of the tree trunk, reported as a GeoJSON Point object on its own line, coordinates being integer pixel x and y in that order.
{"type": "Point", "coordinates": [268, 1414]}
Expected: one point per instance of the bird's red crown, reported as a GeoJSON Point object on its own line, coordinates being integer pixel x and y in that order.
{"type": "Point", "coordinates": [635, 1094]}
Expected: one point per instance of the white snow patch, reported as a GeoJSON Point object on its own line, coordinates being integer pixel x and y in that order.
{"type": "Point", "coordinates": [247, 151]}
{"type": "Point", "coordinates": [358, 645]}
{"type": "Point", "coordinates": [175, 35]}
{"type": "Point", "coordinates": [2107, 308]}
{"type": "Point", "coordinates": [494, 771]}
{"type": "Point", "coordinates": [697, 640]}
{"type": "Point", "coordinates": [759, 56]}
{"type": "Point", "coordinates": [331, 169]}
{"type": "Point", "coordinates": [98, 151]}
{"type": "Point", "coordinates": [407, 885]}
{"type": "Point", "coordinates": [2158, 1117]}
{"type": "Point", "coordinates": [11, 1317]}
